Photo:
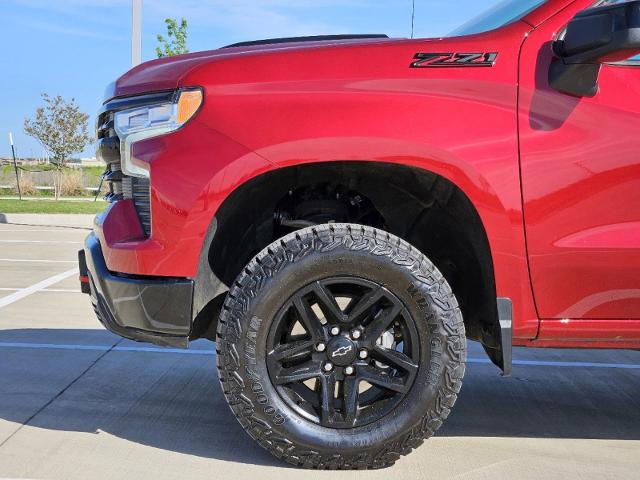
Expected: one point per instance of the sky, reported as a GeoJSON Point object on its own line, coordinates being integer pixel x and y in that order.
{"type": "Point", "coordinates": [74, 48]}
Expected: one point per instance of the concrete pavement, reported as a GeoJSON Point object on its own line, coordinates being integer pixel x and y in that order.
{"type": "Point", "coordinates": [77, 402]}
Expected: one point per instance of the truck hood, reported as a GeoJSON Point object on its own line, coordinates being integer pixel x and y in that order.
{"type": "Point", "coordinates": [167, 73]}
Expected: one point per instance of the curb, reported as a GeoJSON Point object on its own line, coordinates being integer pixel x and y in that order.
{"type": "Point", "coordinates": [49, 219]}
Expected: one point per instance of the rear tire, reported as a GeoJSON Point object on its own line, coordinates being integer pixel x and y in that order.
{"type": "Point", "coordinates": [276, 378]}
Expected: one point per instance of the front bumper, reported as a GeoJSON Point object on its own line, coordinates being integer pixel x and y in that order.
{"type": "Point", "coordinates": [148, 309]}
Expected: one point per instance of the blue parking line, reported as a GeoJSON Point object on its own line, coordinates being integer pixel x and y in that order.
{"type": "Point", "coordinates": [542, 363]}
{"type": "Point", "coordinates": [104, 348]}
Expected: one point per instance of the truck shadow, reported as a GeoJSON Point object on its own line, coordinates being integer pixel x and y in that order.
{"type": "Point", "coordinates": [548, 109]}
{"type": "Point", "coordinates": [173, 401]}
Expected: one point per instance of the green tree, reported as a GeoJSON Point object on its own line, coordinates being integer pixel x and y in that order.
{"type": "Point", "coordinates": [176, 41]}
{"type": "Point", "coordinates": [62, 129]}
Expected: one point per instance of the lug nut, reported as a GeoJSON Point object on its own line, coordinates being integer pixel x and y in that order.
{"type": "Point", "coordinates": [349, 370]}
{"type": "Point", "coordinates": [321, 347]}
{"type": "Point", "coordinates": [356, 334]}
{"type": "Point", "coordinates": [328, 367]}
{"type": "Point", "coordinates": [335, 331]}
{"type": "Point", "coordinates": [363, 354]}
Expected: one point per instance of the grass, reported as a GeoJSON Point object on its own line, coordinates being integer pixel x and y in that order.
{"type": "Point", "coordinates": [51, 206]}
{"type": "Point", "coordinates": [91, 175]}
{"type": "Point", "coordinates": [12, 192]}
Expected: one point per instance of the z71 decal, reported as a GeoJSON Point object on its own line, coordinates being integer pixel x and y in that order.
{"type": "Point", "coordinates": [439, 60]}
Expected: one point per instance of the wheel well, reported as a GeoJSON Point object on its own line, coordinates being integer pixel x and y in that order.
{"type": "Point", "coordinates": [421, 207]}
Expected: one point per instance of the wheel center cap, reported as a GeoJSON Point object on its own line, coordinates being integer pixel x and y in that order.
{"type": "Point", "coordinates": [341, 351]}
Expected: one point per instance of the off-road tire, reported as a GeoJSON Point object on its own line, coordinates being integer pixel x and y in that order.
{"type": "Point", "coordinates": [282, 268]}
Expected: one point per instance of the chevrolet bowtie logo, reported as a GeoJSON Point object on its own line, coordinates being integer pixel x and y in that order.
{"type": "Point", "coordinates": [342, 351]}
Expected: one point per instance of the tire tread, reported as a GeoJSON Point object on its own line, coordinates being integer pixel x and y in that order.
{"type": "Point", "coordinates": [292, 248]}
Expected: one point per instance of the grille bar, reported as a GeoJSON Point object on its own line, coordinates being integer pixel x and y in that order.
{"type": "Point", "coordinates": [121, 186]}
{"type": "Point", "coordinates": [142, 200]}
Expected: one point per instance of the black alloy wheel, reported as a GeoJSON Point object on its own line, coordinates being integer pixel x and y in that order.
{"type": "Point", "coordinates": [354, 358]}
{"type": "Point", "coordinates": [340, 346]}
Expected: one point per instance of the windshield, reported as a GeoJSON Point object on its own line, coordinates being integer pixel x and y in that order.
{"type": "Point", "coordinates": [501, 14]}
{"type": "Point", "coordinates": [610, 2]}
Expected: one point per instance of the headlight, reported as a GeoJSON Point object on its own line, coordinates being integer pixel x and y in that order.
{"type": "Point", "coordinates": [148, 121]}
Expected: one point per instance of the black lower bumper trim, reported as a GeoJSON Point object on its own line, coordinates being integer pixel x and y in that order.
{"type": "Point", "coordinates": [84, 276]}
{"type": "Point", "coordinates": [153, 309]}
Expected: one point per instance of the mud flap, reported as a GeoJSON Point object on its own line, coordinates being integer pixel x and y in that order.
{"type": "Point", "coordinates": [502, 357]}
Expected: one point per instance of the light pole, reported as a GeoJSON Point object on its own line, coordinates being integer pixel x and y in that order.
{"type": "Point", "coordinates": [413, 15]}
{"type": "Point", "coordinates": [15, 165]}
{"type": "Point", "coordinates": [136, 32]}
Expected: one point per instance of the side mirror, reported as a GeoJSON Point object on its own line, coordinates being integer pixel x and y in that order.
{"type": "Point", "coordinates": [593, 37]}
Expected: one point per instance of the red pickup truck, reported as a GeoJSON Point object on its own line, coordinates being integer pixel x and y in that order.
{"type": "Point", "coordinates": [341, 213]}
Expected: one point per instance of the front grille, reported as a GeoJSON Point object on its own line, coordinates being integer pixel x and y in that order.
{"type": "Point", "coordinates": [138, 189]}
{"type": "Point", "coordinates": [121, 186]}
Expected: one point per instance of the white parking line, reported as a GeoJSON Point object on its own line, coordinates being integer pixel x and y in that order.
{"type": "Point", "coordinates": [66, 242]}
{"type": "Point", "coordinates": [25, 292]}
{"type": "Point", "coordinates": [38, 230]}
{"type": "Point", "coordinates": [60, 290]}
{"type": "Point", "coordinates": [14, 478]}
{"type": "Point", "coordinates": [36, 260]}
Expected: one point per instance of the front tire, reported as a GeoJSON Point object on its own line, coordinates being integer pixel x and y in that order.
{"type": "Point", "coordinates": [340, 347]}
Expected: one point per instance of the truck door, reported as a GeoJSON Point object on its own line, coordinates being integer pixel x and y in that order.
{"type": "Point", "coordinates": [580, 169]}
